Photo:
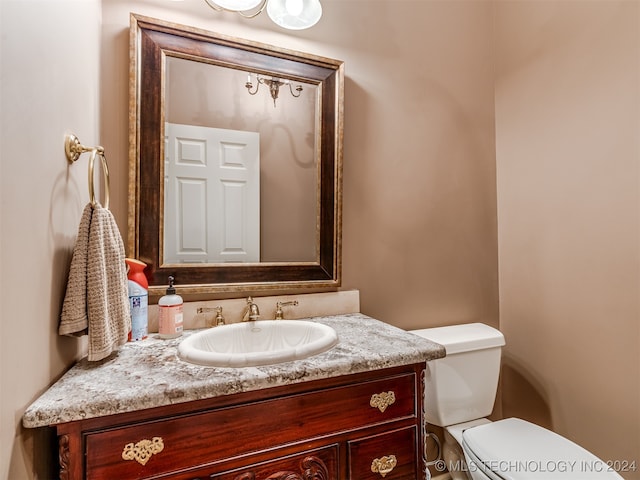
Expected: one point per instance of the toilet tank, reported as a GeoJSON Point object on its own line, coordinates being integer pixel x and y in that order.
{"type": "Point", "coordinates": [462, 386]}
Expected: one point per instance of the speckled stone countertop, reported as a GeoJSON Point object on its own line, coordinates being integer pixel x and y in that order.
{"type": "Point", "coordinates": [149, 373]}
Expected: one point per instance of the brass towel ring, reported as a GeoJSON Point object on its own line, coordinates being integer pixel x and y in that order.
{"type": "Point", "coordinates": [105, 172]}
{"type": "Point", "coordinates": [73, 149]}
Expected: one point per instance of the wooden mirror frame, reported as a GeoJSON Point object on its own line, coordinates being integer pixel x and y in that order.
{"type": "Point", "coordinates": [150, 40]}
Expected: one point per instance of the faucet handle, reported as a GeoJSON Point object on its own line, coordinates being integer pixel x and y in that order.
{"type": "Point", "coordinates": [279, 305]}
{"type": "Point", "coordinates": [219, 320]}
{"type": "Point", "coordinates": [219, 317]}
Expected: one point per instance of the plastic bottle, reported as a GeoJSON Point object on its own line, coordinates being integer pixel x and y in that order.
{"type": "Point", "coordinates": [170, 313]}
{"type": "Point", "coordinates": [138, 299]}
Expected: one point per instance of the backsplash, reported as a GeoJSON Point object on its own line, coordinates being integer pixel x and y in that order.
{"type": "Point", "coordinates": [309, 305]}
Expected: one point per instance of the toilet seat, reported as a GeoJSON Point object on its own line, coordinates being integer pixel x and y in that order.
{"type": "Point", "coordinates": [513, 449]}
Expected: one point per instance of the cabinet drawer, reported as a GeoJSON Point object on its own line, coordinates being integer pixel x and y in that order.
{"type": "Point", "coordinates": [316, 464]}
{"type": "Point", "coordinates": [170, 444]}
{"type": "Point", "coordinates": [391, 456]}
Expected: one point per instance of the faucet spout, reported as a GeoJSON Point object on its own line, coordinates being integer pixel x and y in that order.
{"type": "Point", "coordinates": [252, 311]}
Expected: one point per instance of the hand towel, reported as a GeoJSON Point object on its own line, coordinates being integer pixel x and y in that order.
{"type": "Point", "coordinates": [74, 308]}
{"type": "Point", "coordinates": [97, 299]}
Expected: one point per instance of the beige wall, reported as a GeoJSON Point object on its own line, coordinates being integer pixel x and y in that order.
{"type": "Point", "coordinates": [568, 158]}
{"type": "Point", "coordinates": [49, 61]}
{"type": "Point", "coordinates": [419, 169]}
{"type": "Point", "coordinates": [420, 211]}
{"type": "Point", "coordinates": [420, 230]}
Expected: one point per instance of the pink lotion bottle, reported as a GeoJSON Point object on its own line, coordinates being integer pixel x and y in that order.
{"type": "Point", "coordinates": [170, 319]}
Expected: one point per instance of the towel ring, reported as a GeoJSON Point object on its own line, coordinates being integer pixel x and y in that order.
{"type": "Point", "coordinates": [73, 149]}
{"type": "Point", "coordinates": [105, 171]}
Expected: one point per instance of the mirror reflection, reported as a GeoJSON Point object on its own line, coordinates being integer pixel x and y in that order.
{"type": "Point", "coordinates": [241, 173]}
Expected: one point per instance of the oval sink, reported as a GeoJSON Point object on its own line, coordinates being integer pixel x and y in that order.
{"type": "Point", "coordinates": [262, 342]}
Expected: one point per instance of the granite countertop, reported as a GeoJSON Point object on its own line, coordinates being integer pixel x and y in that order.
{"type": "Point", "coordinates": [149, 374]}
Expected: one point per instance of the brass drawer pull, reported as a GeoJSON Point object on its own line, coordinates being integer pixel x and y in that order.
{"type": "Point", "coordinates": [384, 465]}
{"type": "Point", "coordinates": [142, 451]}
{"type": "Point", "coordinates": [382, 400]}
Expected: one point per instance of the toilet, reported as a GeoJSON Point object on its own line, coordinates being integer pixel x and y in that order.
{"type": "Point", "coordinates": [460, 392]}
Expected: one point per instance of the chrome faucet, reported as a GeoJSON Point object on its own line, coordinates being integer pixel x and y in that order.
{"type": "Point", "coordinates": [252, 311]}
{"type": "Point", "coordinates": [279, 305]}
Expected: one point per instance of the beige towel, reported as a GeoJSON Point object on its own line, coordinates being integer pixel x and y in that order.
{"type": "Point", "coordinates": [97, 301]}
{"type": "Point", "coordinates": [74, 308]}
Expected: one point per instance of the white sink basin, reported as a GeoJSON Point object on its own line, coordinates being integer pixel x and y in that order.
{"type": "Point", "coordinates": [262, 342]}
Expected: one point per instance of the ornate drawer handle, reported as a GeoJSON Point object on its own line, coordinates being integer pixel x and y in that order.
{"type": "Point", "coordinates": [382, 400]}
{"type": "Point", "coordinates": [384, 465]}
{"type": "Point", "coordinates": [142, 451]}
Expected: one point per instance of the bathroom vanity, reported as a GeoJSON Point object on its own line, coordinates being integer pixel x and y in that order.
{"type": "Point", "coordinates": [353, 412]}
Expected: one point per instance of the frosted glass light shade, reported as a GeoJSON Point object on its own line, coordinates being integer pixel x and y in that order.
{"type": "Point", "coordinates": [236, 5]}
{"type": "Point", "coordinates": [294, 14]}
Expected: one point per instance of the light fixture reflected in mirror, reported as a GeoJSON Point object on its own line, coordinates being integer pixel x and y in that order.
{"type": "Point", "coordinates": [273, 84]}
{"type": "Point", "coordinates": [290, 14]}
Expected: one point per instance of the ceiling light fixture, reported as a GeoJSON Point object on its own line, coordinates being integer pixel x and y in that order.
{"type": "Point", "coordinates": [290, 14]}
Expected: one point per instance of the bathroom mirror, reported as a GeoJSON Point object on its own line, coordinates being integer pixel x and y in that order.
{"type": "Point", "coordinates": [188, 84]}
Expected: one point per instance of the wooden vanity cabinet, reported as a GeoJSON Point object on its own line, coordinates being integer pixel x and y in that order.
{"type": "Point", "coordinates": [359, 427]}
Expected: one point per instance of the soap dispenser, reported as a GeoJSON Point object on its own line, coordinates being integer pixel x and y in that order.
{"type": "Point", "coordinates": [170, 318]}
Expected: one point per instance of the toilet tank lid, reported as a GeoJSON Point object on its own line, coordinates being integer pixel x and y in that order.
{"type": "Point", "coordinates": [515, 449]}
{"type": "Point", "coordinates": [463, 338]}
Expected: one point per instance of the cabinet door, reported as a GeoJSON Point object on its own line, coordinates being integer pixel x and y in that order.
{"type": "Point", "coordinates": [388, 456]}
{"type": "Point", "coordinates": [321, 464]}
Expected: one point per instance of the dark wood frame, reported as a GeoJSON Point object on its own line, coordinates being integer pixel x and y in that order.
{"type": "Point", "coordinates": [150, 40]}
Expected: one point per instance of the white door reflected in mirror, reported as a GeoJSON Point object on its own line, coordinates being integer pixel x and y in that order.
{"type": "Point", "coordinates": [212, 195]}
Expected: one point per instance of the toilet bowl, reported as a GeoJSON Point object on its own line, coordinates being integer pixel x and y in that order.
{"type": "Point", "coordinates": [460, 392]}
